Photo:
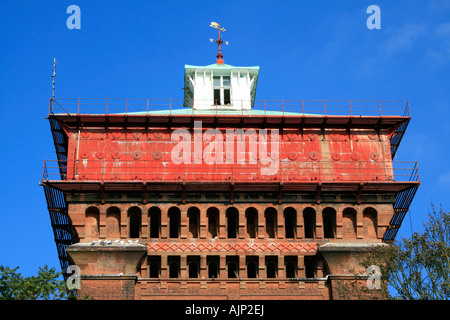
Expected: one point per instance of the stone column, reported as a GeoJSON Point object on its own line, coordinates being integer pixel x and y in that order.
{"type": "Point", "coordinates": [319, 223]}
{"type": "Point", "coordinates": [222, 223]}
{"type": "Point", "coordinates": [301, 266]}
{"type": "Point", "coordinates": [222, 267]}
{"type": "Point", "coordinates": [164, 266]}
{"type": "Point", "coordinates": [203, 223]}
{"type": "Point", "coordinates": [123, 223]}
{"type": "Point", "coordinates": [144, 223]}
{"type": "Point", "coordinates": [183, 267]}
{"type": "Point", "coordinates": [242, 266]}
{"type": "Point", "coordinates": [262, 267]}
{"type": "Point", "coordinates": [300, 223]}
{"type": "Point", "coordinates": [359, 223]}
{"type": "Point", "coordinates": [261, 232]}
{"type": "Point", "coordinates": [339, 218]}
{"type": "Point", "coordinates": [281, 267]}
{"type": "Point", "coordinates": [164, 223]}
{"type": "Point", "coordinates": [183, 223]}
{"type": "Point", "coordinates": [280, 225]}
{"type": "Point", "coordinates": [102, 222]}
{"type": "Point", "coordinates": [203, 267]}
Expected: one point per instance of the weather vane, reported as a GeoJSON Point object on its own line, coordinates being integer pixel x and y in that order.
{"type": "Point", "coordinates": [219, 41]}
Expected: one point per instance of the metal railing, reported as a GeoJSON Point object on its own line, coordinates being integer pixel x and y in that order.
{"type": "Point", "coordinates": [111, 106]}
{"type": "Point", "coordinates": [325, 171]}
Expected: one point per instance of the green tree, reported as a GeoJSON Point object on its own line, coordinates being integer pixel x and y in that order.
{"type": "Point", "coordinates": [45, 286]}
{"type": "Point", "coordinates": [415, 268]}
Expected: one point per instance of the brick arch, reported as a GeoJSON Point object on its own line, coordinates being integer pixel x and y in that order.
{"type": "Point", "coordinates": [329, 222]}
{"type": "Point", "coordinates": [370, 223]}
{"type": "Point", "coordinates": [92, 226]}
{"type": "Point", "coordinates": [213, 217]}
{"type": "Point", "coordinates": [193, 215]}
{"type": "Point", "coordinates": [251, 222]}
{"type": "Point", "coordinates": [349, 223]}
{"type": "Point", "coordinates": [290, 222]}
{"type": "Point", "coordinates": [134, 222]}
{"type": "Point", "coordinates": [309, 222]}
{"type": "Point", "coordinates": [113, 222]}
{"type": "Point", "coordinates": [232, 217]}
{"type": "Point", "coordinates": [271, 216]}
{"type": "Point", "coordinates": [174, 219]}
{"type": "Point", "coordinates": [154, 217]}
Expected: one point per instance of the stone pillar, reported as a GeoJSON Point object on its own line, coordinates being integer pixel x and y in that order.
{"type": "Point", "coordinates": [183, 267]}
{"type": "Point", "coordinates": [281, 267]}
{"type": "Point", "coordinates": [78, 216]}
{"type": "Point", "coordinates": [223, 272]}
{"type": "Point", "coordinates": [123, 224]}
{"type": "Point", "coordinates": [222, 223]}
{"type": "Point", "coordinates": [183, 223]}
{"type": "Point", "coordinates": [300, 223]}
{"type": "Point", "coordinates": [203, 223]}
{"type": "Point", "coordinates": [261, 232]}
{"type": "Point", "coordinates": [164, 223]}
{"type": "Point", "coordinates": [115, 266]}
{"type": "Point", "coordinates": [280, 225]}
{"type": "Point", "coordinates": [301, 266]}
{"type": "Point", "coordinates": [242, 266]}
{"type": "Point", "coordinates": [262, 267]}
{"type": "Point", "coordinates": [164, 266]}
{"type": "Point", "coordinates": [319, 223]}
{"type": "Point", "coordinates": [359, 223]}
{"type": "Point", "coordinates": [102, 222]}
{"type": "Point", "coordinates": [339, 218]}
{"type": "Point", "coordinates": [203, 267]}
{"type": "Point", "coordinates": [144, 223]}
{"type": "Point", "coordinates": [242, 223]}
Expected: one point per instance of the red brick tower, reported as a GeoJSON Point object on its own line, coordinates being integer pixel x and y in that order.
{"type": "Point", "coordinates": [220, 195]}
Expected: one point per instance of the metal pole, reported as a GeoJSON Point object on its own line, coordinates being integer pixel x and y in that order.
{"type": "Point", "coordinates": [53, 83]}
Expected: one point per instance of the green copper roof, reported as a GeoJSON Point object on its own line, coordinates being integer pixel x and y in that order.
{"type": "Point", "coordinates": [219, 66]}
{"type": "Point", "coordinates": [251, 112]}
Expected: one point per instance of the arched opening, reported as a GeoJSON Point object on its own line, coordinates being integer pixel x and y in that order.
{"type": "Point", "coordinates": [370, 223]}
{"type": "Point", "coordinates": [213, 222]}
{"type": "Point", "coordinates": [92, 223]}
{"type": "Point", "coordinates": [174, 222]}
{"type": "Point", "coordinates": [271, 222]}
{"type": "Point", "coordinates": [251, 215]}
{"type": "Point", "coordinates": [290, 223]}
{"type": "Point", "coordinates": [113, 222]}
{"type": "Point", "coordinates": [271, 267]}
{"type": "Point", "coordinates": [349, 223]}
{"type": "Point", "coordinates": [309, 222]}
{"type": "Point", "coordinates": [155, 222]}
{"type": "Point", "coordinates": [329, 223]}
{"type": "Point", "coordinates": [232, 222]}
{"type": "Point", "coordinates": [193, 214]}
{"type": "Point", "coordinates": [134, 222]}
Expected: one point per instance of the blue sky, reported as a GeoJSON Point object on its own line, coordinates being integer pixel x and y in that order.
{"type": "Point", "coordinates": [137, 49]}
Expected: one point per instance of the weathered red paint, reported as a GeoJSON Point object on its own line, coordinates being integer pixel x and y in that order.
{"type": "Point", "coordinates": [308, 155]}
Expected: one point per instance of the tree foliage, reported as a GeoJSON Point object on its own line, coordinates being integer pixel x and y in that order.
{"type": "Point", "coordinates": [415, 268]}
{"type": "Point", "coordinates": [45, 286]}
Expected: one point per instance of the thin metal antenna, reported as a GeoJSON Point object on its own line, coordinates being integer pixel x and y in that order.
{"type": "Point", "coordinates": [53, 78]}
